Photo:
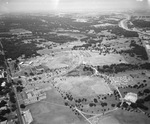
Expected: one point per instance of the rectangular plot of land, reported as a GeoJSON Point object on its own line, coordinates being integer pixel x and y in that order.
{"type": "Point", "coordinates": [101, 88]}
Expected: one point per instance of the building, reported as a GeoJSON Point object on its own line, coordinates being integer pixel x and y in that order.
{"type": "Point", "coordinates": [43, 96]}
{"type": "Point", "coordinates": [27, 117]}
{"type": "Point", "coordinates": [3, 84]}
{"type": "Point", "coordinates": [34, 95]}
{"type": "Point", "coordinates": [91, 32]}
{"type": "Point", "coordinates": [3, 122]}
{"type": "Point", "coordinates": [39, 70]}
{"type": "Point", "coordinates": [130, 98]}
{"type": "Point", "coordinates": [147, 46]}
{"type": "Point", "coordinates": [3, 108]}
{"type": "Point", "coordinates": [1, 74]}
{"type": "Point", "coordinates": [146, 42]}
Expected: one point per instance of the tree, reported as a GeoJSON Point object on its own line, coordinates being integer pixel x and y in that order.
{"type": "Point", "coordinates": [11, 94]}
{"type": "Point", "coordinates": [3, 102]}
{"type": "Point", "coordinates": [19, 82]}
{"type": "Point", "coordinates": [31, 74]}
{"type": "Point", "coordinates": [7, 111]}
{"type": "Point", "coordinates": [8, 85]}
{"type": "Point", "coordinates": [26, 74]}
{"type": "Point", "coordinates": [19, 88]}
{"type": "Point", "coordinates": [22, 106]}
{"type": "Point", "coordinates": [2, 118]}
{"type": "Point", "coordinates": [12, 97]}
{"type": "Point", "coordinates": [13, 107]}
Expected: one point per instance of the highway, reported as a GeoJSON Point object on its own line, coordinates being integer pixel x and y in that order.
{"type": "Point", "coordinates": [123, 24]}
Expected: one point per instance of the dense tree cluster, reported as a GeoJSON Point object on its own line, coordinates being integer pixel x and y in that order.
{"type": "Point", "coordinates": [122, 32]}
{"type": "Point", "coordinates": [2, 118]}
{"type": "Point", "coordinates": [89, 43]}
{"type": "Point", "coordinates": [15, 48]}
{"type": "Point", "coordinates": [19, 88]}
{"type": "Point", "coordinates": [141, 23]}
{"type": "Point", "coordinates": [2, 64]}
{"type": "Point", "coordinates": [22, 106]}
{"type": "Point", "coordinates": [137, 50]}
{"type": "Point", "coordinates": [12, 97]}
{"type": "Point", "coordinates": [58, 39]}
{"type": "Point", "coordinates": [122, 67]}
{"type": "Point", "coordinates": [6, 89]}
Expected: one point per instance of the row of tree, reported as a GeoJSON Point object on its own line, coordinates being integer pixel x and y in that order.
{"type": "Point", "coordinates": [122, 67]}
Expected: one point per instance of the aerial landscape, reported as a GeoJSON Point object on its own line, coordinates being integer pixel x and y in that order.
{"type": "Point", "coordinates": [75, 62]}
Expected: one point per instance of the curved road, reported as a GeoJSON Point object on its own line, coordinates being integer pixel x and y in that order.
{"type": "Point", "coordinates": [123, 24]}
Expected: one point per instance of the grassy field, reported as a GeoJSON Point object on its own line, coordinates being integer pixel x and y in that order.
{"type": "Point", "coordinates": [83, 85]}
{"type": "Point", "coordinates": [48, 112]}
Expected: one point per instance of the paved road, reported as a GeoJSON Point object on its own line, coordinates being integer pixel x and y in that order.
{"type": "Point", "coordinates": [18, 111]}
{"type": "Point", "coordinates": [19, 114]}
{"type": "Point", "coordinates": [123, 24]}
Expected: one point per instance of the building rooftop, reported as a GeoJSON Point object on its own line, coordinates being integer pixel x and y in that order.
{"type": "Point", "coordinates": [131, 97]}
{"type": "Point", "coordinates": [3, 122]}
{"type": "Point", "coordinates": [147, 46]}
{"type": "Point", "coordinates": [27, 116]}
{"type": "Point", "coordinates": [3, 84]}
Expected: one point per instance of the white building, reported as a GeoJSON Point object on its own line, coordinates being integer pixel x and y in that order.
{"type": "Point", "coordinates": [3, 84]}
{"type": "Point", "coordinates": [131, 98]}
{"type": "Point", "coordinates": [147, 46]}
{"type": "Point", "coordinates": [1, 74]}
{"type": "Point", "coordinates": [27, 116]}
{"type": "Point", "coordinates": [3, 122]}
{"type": "Point", "coordinates": [3, 108]}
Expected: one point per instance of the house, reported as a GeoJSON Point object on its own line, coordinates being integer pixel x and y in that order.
{"type": "Point", "coordinates": [30, 101]}
{"type": "Point", "coordinates": [43, 96]}
{"type": "Point", "coordinates": [3, 84]}
{"type": "Point", "coordinates": [3, 108]}
{"type": "Point", "coordinates": [1, 74]}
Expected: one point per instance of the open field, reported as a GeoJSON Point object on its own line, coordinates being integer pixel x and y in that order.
{"type": "Point", "coordinates": [48, 112]}
{"type": "Point", "coordinates": [68, 91]}
{"type": "Point", "coordinates": [66, 58]}
{"type": "Point", "coordinates": [83, 86]}
{"type": "Point", "coordinates": [56, 60]}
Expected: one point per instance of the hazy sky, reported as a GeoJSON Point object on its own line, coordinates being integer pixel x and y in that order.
{"type": "Point", "coordinates": [69, 5]}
